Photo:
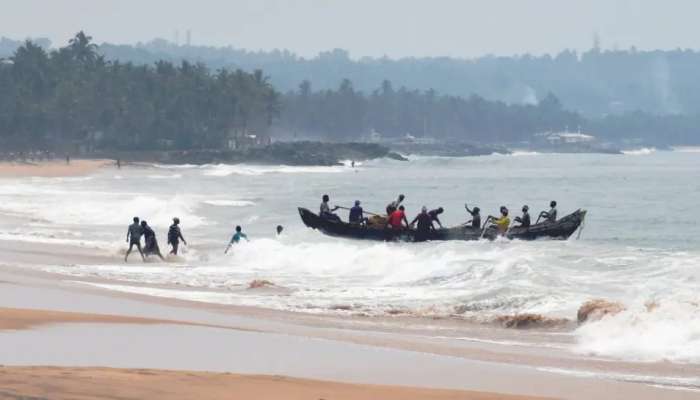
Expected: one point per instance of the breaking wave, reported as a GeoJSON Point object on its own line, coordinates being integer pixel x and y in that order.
{"type": "Point", "coordinates": [668, 331]}
{"type": "Point", "coordinates": [222, 170]}
{"type": "Point", "coordinates": [645, 151]}
{"type": "Point", "coordinates": [229, 203]}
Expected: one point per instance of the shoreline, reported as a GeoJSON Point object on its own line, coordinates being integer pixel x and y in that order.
{"type": "Point", "coordinates": [203, 325]}
{"type": "Point", "coordinates": [52, 169]}
{"type": "Point", "coordinates": [440, 336]}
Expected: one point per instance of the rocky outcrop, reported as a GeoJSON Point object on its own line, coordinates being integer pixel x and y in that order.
{"type": "Point", "coordinates": [260, 283]}
{"type": "Point", "coordinates": [596, 309]}
{"type": "Point", "coordinates": [530, 321]}
{"type": "Point", "coordinates": [279, 153]}
{"type": "Point", "coordinates": [448, 149]}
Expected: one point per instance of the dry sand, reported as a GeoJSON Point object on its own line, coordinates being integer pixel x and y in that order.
{"type": "Point", "coordinates": [107, 383]}
{"type": "Point", "coordinates": [51, 168]}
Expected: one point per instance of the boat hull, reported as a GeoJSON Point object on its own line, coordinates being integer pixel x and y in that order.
{"type": "Point", "coordinates": [559, 230]}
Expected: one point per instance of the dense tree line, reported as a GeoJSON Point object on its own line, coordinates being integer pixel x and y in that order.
{"type": "Point", "coordinates": [347, 113]}
{"type": "Point", "coordinates": [595, 82]}
{"type": "Point", "coordinates": [73, 95]}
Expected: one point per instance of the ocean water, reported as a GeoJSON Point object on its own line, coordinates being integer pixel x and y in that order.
{"type": "Point", "coordinates": [639, 245]}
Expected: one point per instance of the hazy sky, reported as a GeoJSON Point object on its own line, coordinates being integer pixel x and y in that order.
{"type": "Point", "coordinates": [460, 28]}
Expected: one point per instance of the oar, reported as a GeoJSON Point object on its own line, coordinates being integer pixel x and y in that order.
{"type": "Point", "coordinates": [486, 224]}
{"type": "Point", "coordinates": [580, 228]}
{"type": "Point", "coordinates": [512, 224]}
{"type": "Point", "coordinates": [366, 212]}
{"type": "Point", "coordinates": [538, 219]}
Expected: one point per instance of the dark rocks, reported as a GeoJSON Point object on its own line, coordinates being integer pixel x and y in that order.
{"type": "Point", "coordinates": [280, 153]}
{"type": "Point", "coordinates": [594, 310]}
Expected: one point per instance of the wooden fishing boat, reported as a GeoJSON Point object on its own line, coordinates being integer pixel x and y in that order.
{"type": "Point", "coordinates": [562, 229]}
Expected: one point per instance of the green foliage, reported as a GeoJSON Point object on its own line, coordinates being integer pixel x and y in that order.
{"type": "Point", "coordinates": [594, 83]}
{"type": "Point", "coordinates": [345, 113]}
{"type": "Point", "coordinates": [74, 96]}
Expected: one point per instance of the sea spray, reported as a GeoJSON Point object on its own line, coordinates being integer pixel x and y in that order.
{"type": "Point", "coordinates": [669, 331]}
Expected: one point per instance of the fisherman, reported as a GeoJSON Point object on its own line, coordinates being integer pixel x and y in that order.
{"type": "Point", "coordinates": [151, 242]}
{"type": "Point", "coordinates": [434, 215]}
{"type": "Point", "coordinates": [551, 215]}
{"type": "Point", "coordinates": [476, 217]}
{"type": "Point", "coordinates": [357, 214]}
{"type": "Point", "coordinates": [236, 238]}
{"type": "Point", "coordinates": [502, 223]}
{"type": "Point", "coordinates": [525, 219]}
{"type": "Point", "coordinates": [425, 225]}
{"type": "Point", "coordinates": [394, 205]}
{"type": "Point", "coordinates": [133, 237]}
{"type": "Point", "coordinates": [325, 210]}
{"type": "Point", "coordinates": [175, 235]}
{"type": "Point", "coordinates": [397, 219]}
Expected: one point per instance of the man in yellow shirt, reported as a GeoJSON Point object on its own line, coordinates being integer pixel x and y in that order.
{"type": "Point", "coordinates": [503, 223]}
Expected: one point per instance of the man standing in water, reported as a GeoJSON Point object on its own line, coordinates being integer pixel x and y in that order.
{"type": "Point", "coordinates": [397, 219]}
{"type": "Point", "coordinates": [434, 215]}
{"type": "Point", "coordinates": [151, 243]}
{"type": "Point", "coordinates": [133, 237]}
{"type": "Point", "coordinates": [236, 238]}
{"type": "Point", "coordinates": [175, 235]}
{"type": "Point", "coordinates": [425, 225]}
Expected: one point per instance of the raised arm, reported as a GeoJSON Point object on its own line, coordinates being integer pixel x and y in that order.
{"type": "Point", "coordinates": [468, 210]}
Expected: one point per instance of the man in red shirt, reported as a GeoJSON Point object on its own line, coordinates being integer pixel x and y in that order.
{"type": "Point", "coordinates": [397, 220]}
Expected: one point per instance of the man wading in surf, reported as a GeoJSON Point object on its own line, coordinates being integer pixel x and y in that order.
{"type": "Point", "coordinates": [175, 235]}
{"type": "Point", "coordinates": [133, 237]}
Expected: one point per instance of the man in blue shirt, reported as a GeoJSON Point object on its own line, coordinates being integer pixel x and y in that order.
{"type": "Point", "coordinates": [356, 214]}
{"type": "Point", "coordinates": [236, 238]}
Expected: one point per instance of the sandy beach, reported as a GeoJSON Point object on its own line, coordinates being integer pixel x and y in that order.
{"type": "Point", "coordinates": [60, 332]}
{"type": "Point", "coordinates": [100, 383]}
{"type": "Point", "coordinates": [56, 168]}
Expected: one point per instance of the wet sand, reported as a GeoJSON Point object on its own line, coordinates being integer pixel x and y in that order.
{"type": "Point", "coordinates": [68, 322]}
{"type": "Point", "coordinates": [16, 319]}
{"type": "Point", "coordinates": [57, 168]}
{"type": "Point", "coordinates": [100, 383]}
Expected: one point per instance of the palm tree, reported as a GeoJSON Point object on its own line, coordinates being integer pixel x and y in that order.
{"type": "Point", "coordinates": [82, 49]}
